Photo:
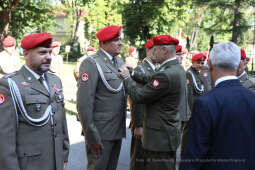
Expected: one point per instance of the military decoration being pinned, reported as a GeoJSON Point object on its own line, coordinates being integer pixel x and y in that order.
{"type": "Point", "coordinates": [155, 83]}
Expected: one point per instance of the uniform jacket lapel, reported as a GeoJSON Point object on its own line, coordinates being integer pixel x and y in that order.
{"type": "Point", "coordinates": [109, 63]}
{"type": "Point", "coordinates": [51, 84]}
{"type": "Point", "coordinates": [35, 84]}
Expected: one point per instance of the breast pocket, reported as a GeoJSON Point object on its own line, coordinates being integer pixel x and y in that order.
{"type": "Point", "coordinates": [109, 76]}
{"type": "Point", "coordinates": [35, 103]}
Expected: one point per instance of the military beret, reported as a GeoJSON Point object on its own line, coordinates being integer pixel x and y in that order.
{"type": "Point", "coordinates": [149, 44]}
{"type": "Point", "coordinates": [199, 56]}
{"type": "Point", "coordinates": [243, 54]}
{"type": "Point", "coordinates": [108, 33]}
{"type": "Point", "coordinates": [131, 49]}
{"type": "Point", "coordinates": [247, 59]}
{"type": "Point", "coordinates": [36, 40]}
{"type": "Point", "coordinates": [55, 44]}
{"type": "Point", "coordinates": [91, 49]}
{"type": "Point", "coordinates": [9, 41]}
{"type": "Point", "coordinates": [164, 40]}
{"type": "Point", "coordinates": [178, 49]}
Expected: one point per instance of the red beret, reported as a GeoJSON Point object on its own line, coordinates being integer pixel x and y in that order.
{"type": "Point", "coordinates": [164, 40]}
{"type": "Point", "coordinates": [108, 33]}
{"type": "Point", "coordinates": [178, 49]}
{"type": "Point", "coordinates": [199, 56]}
{"type": "Point", "coordinates": [91, 49]}
{"type": "Point", "coordinates": [9, 41]}
{"type": "Point", "coordinates": [131, 49]}
{"type": "Point", "coordinates": [247, 59]}
{"type": "Point", "coordinates": [55, 44]}
{"type": "Point", "coordinates": [243, 55]}
{"type": "Point", "coordinates": [37, 40]}
{"type": "Point", "coordinates": [149, 44]}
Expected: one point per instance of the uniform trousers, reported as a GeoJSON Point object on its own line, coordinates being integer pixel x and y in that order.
{"type": "Point", "coordinates": [159, 160]}
{"type": "Point", "coordinates": [137, 154]}
{"type": "Point", "coordinates": [109, 158]}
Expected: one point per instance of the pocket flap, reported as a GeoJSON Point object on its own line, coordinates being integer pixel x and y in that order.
{"type": "Point", "coordinates": [32, 99]}
{"type": "Point", "coordinates": [29, 151]}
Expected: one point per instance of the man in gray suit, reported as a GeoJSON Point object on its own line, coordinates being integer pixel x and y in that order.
{"type": "Point", "coordinates": [101, 101]}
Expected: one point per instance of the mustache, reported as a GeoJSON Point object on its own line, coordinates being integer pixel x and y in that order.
{"type": "Point", "coordinates": [47, 62]}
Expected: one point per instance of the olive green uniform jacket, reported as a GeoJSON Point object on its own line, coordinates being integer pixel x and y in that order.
{"type": "Point", "coordinates": [26, 147]}
{"type": "Point", "coordinates": [137, 110]}
{"type": "Point", "coordinates": [196, 85]}
{"type": "Point", "coordinates": [102, 112]}
{"type": "Point", "coordinates": [247, 81]}
{"type": "Point", "coordinates": [162, 96]}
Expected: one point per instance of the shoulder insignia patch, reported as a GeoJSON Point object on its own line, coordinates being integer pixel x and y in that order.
{"type": "Point", "coordinates": [2, 98]}
{"type": "Point", "coordinates": [84, 77]}
{"type": "Point", "coordinates": [155, 83]}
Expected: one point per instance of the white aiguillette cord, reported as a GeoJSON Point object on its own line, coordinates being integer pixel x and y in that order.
{"type": "Point", "coordinates": [17, 100]}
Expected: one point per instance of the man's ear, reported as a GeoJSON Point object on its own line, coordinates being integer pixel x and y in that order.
{"type": "Point", "coordinates": [25, 53]}
{"type": "Point", "coordinates": [239, 68]}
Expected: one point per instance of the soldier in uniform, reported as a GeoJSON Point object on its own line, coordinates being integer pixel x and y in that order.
{"type": "Point", "coordinates": [101, 101]}
{"type": "Point", "coordinates": [195, 81]}
{"type": "Point", "coordinates": [57, 60]}
{"type": "Point", "coordinates": [10, 61]}
{"type": "Point", "coordinates": [90, 51]}
{"type": "Point", "coordinates": [137, 113]}
{"type": "Point", "coordinates": [33, 128]}
{"type": "Point", "coordinates": [196, 87]}
{"type": "Point", "coordinates": [245, 79]}
{"type": "Point", "coordinates": [161, 95]}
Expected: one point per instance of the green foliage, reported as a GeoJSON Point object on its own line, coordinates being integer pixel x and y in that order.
{"type": "Point", "coordinates": [31, 16]}
{"type": "Point", "coordinates": [145, 18]}
{"type": "Point", "coordinates": [226, 19]}
{"type": "Point", "coordinates": [101, 13]}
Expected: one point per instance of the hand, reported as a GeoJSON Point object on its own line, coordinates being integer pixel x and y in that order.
{"type": "Point", "coordinates": [96, 149]}
{"type": "Point", "coordinates": [124, 72]}
{"type": "Point", "coordinates": [64, 167]}
{"type": "Point", "coordinates": [138, 132]}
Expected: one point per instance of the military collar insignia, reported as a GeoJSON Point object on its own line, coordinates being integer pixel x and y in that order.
{"type": "Point", "coordinates": [155, 83]}
{"type": "Point", "coordinates": [2, 98]}
{"type": "Point", "coordinates": [84, 77]}
{"type": "Point", "coordinates": [29, 78]}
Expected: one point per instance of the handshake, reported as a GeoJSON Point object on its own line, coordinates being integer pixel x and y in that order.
{"type": "Point", "coordinates": [125, 70]}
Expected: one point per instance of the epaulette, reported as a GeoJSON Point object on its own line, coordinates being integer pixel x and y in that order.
{"type": "Point", "coordinates": [9, 75]}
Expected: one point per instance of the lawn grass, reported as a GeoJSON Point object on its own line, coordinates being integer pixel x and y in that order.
{"type": "Point", "coordinates": [69, 88]}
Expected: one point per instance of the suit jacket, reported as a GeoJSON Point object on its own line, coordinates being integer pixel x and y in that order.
{"type": "Point", "coordinates": [102, 112]}
{"type": "Point", "coordinates": [221, 134]}
{"type": "Point", "coordinates": [162, 96]}
{"type": "Point", "coordinates": [247, 81]}
{"type": "Point", "coordinates": [137, 110]}
{"type": "Point", "coordinates": [27, 147]}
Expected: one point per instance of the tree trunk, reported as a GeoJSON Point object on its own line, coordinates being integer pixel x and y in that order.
{"type": "Point", "coordinates": [236, 23]}
{"type": "Point", "coordinates": [5, 17]}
